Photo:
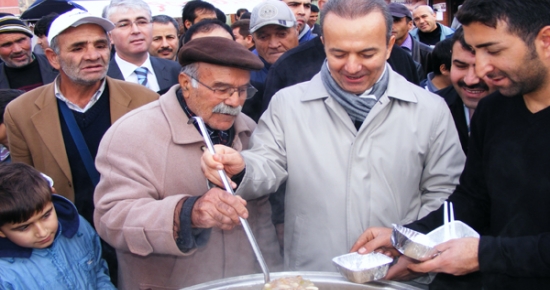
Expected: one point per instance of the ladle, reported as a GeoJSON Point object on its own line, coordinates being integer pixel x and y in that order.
{"type": "Point", "coordinates": [228, 188]}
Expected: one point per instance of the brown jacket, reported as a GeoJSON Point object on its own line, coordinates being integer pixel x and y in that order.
{"type": "Point", "coordinates": [148, 161]}
{"type": "Point", "coordinates": [34, 130]}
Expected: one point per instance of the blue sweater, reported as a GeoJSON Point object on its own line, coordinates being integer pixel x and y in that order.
{"type": "Point", "coordinates": [73, 261]}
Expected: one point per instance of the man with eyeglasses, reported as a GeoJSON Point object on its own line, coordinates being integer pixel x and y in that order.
{"type": "Point", "coordinates": [132, 37]}
{"type": "Point", "coordinates": [153, 204]}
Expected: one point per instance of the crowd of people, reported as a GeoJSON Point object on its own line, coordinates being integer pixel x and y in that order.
{"type": "Point", "coordinates": [333, 122]}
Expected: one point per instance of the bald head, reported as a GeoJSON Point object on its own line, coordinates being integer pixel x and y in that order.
{"type": "Point", "coordinates": [424, 18]}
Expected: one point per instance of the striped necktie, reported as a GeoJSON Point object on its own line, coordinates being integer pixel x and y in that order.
{"type": "Point", "coordinates": [141, 73]}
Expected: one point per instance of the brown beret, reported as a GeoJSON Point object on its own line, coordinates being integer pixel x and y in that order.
{"type": "Point", "coordinates": [218, 50]}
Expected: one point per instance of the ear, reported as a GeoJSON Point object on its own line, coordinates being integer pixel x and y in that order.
{"type": "Point", "coordinates": [390, 46]}
{"type": "Point", "coordinates": [444, 70]}
{"type": "Point", "coordinates": [410, 24]}
{"type": "Point", "coordinates": [109, 34]}
{"type": "Point", "coordinates": [542, 42]}
{"type": "Point", "coordinates": [52, 58]}
{"type": "Point", "coordinates": [249, 39]}
{"type": "Point", "coordinates": [185, 83]}
{"type": "Point", "coordinates": [2, 235]}
{"type": "Point", "coordinates": [322, 39]}
{"type": "Point", "coordinates": [187, 24]}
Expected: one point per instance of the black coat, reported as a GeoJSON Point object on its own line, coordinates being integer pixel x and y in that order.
{"type": "Point", "coordinates": [457, 110]}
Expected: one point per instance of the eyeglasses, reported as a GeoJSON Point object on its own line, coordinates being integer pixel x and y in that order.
{"type": "Point", "coordinates": [126, 24]}
{"type": "Point", "coordinates": [225, 92]}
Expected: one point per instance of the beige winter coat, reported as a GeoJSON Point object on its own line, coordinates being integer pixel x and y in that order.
{"type": "Point", "coordinates": [149, 160]}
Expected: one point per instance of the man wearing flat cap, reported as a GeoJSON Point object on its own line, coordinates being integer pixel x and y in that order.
{"type": "Point", "coordinates": [153, 204]}
{"type": "Point", "coordinates": [21, 69]}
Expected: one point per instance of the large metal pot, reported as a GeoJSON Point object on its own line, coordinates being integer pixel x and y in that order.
{"type": "Point", "coordinates": [323, 280]}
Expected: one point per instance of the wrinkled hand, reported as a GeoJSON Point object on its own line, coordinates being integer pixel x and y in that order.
{"type": "Point", "coordinates": [457, 257]}
{"type": "Point", "coordinates": [226, 158]}
{"type": "Point", "coordinates": [400, 271]}
{"type": "Point", "coordinates": [375, 239]}
{"type": "Point", "coordinates": [218, 208]}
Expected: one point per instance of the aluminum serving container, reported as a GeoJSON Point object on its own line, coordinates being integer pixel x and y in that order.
{"type": "Point", "coordinates": [422, 247]}
{"type": "Point", "coordinates": [412, 243]}
{"type": "Point", "coordinates": [322, 280]}
{"type": "Point", "coordinates": [456, 230]}
{"type": "Point", "coordinates": [362, 268]}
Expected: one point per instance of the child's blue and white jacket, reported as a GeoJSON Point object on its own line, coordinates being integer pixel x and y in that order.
{"type": "Point", "coordinates": [73, 261]}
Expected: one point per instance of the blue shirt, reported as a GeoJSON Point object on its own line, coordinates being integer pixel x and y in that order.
{"type": "Point", "coordinates": [73, 261]}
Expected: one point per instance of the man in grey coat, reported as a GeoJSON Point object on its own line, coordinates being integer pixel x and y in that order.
{"type": "Point", "coordinates": [357, 145]}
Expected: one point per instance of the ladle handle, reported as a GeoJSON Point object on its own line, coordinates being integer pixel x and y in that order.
{"type": "Point", "coordinates": [227, 186]}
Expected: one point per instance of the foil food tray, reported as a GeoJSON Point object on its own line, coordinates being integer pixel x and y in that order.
{"type": "Point", "coordinates": [422, 247]}
{"type": "Point", "coordinates": [412, 243]}
{"type": "Point", "coordinates": [362, 268]}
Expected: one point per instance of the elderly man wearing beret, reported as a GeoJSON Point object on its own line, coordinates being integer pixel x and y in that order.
{"type": "Point", "coordinates": [153, 203]}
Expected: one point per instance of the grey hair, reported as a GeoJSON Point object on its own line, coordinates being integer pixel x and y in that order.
{"type": "Point", "coordinates": [352, 9]}
{"type": "Point", "coordinates": [124, 6]}
{"type": "Point", "coordinates": [192, 70]}
{"type": "Point", "coordinates": [54, 45]}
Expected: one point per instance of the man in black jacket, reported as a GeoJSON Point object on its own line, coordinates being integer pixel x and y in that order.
{"type": "Point", "coordinates": [466, 90]}
{"type": "Point", "coordinates": [402, 24]}
{"type": "Point", "coordinates": [20, 68]}
{"type": "Point", "coordinates": [462, 96]}
{"type": "Point", "coordinates": [503, 191]}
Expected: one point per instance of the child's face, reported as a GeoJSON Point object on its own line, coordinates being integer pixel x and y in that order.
{"type": "Point", "coordinates": [37, 232]}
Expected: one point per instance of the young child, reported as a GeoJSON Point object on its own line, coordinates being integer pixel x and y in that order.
{"type": "Point", "coordinates": [44, 243]}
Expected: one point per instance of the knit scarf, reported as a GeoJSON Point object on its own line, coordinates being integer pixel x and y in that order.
{"type": "Point", "coordinates": [357, 106]}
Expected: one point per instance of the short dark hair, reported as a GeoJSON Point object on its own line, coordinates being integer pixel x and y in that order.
{"type": "Point", "coordinates": [243, 26]}
{"type": "Point", "coordinates": [220, 15]}
{"type": "Point", "coordinates": [240, 11]}
{"type": "Point", "coordinates": [459, 36]}
{"type": "Point", "coordinates": [442, 55]}
{"type": "Point", "coordinates": [6, 96]}
{"type": "Point", "coordinates": [314, 8]}
{"type": "Point", "coordinates": [190, 8]}
{"type": "Point", "coordinates": [23, 193]}
{"type": "Point", "coordinates": [245, 15]}
{"type": "Point", "coordinates": [165, 19]}
{"type": "Point", "coordinates": [206, 25]}
{"type": "Point", "coordinates": [525, 18]}
{"type": "Point", "coordinates": [43, 25]}
{"type": "Point", "coordinates": [352, 9]}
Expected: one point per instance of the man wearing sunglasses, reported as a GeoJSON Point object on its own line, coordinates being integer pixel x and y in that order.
{"type": "Point", "coordinates": [153, 204]}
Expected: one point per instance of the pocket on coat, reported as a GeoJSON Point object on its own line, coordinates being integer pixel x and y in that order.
{"type": "Point", "coordinates": [137, 241]}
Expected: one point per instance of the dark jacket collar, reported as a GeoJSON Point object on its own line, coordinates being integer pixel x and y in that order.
{"type": "Point", "coordinates": [69, 223]}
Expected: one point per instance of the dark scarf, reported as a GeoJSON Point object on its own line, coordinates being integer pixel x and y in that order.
{"type": "Point", "coordinates": [217, 136]}
{"type": "Point", "coordinates": [357, 108]}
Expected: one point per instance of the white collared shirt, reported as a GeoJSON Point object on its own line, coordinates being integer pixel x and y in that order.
{"type": "Point", "coordinates": [75, 107]}
{"type": "Point", "coordinates": [128, 72]}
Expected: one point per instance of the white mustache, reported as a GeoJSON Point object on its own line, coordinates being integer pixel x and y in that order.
{"type": "Point", "coordinates": [222, 108]}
